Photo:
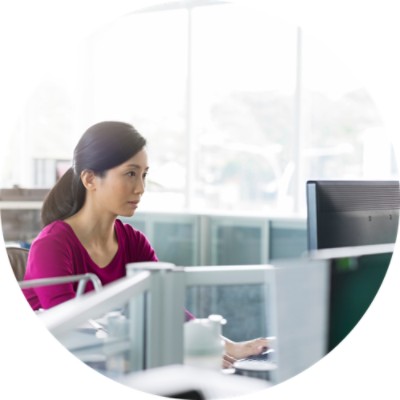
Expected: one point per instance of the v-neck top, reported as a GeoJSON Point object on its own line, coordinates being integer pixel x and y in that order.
{"type": "Point", "coordinates": [57, 251]}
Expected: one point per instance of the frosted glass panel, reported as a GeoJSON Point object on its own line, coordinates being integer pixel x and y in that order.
{"type": "Point", "coordinates": [174, 242]}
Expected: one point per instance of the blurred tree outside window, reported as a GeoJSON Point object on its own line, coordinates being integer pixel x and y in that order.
{"type": "Point", "coordinates": [243, 106]}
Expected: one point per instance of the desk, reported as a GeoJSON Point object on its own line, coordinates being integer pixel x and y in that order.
{"type": "Point", "coordinates": [178, 380]}
{"type": "Point", "coordinates": [110, 358]}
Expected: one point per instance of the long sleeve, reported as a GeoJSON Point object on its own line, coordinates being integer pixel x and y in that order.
{"type": "Point", "coordinates": [50, 258]}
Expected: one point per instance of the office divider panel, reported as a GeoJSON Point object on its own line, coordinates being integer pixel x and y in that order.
{"type": "Point", "coordinates": [234, 278]}
{"type": "Point", "coordinates": [302, 287]}
{"type": "Point", "coordinates": [173, 236]}
{"type": "Point", "coordinates": [176, 240]}
{"type": "Point", "coordinates": [238, 240]}
{"type": "Point", "coordinates": [200, 239]}
{"type": "Point", "coordinates": [288, 238]}
{"type": "Point", "coordinates": [242, 305]}
{"type": "Point", "coordinates": [72, 323]}
{"type": "Point", "coordinates": [155, 335]}
{"type": "Point", "coordinates": [186, 239]}
{"type": "Point", "coordinates": [164, 318]}
{"type": "Point", "coordinates": [234, 240]}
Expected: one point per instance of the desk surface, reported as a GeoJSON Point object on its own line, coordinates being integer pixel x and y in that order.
{"type": "Point", "coordinates": [173, 380]}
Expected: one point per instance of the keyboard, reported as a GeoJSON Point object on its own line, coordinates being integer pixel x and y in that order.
{"type": "Point", "coordinates": [259, 362]}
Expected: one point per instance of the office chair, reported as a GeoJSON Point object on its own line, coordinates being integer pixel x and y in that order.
{"type": "Point", "coordinates": [18, 257]}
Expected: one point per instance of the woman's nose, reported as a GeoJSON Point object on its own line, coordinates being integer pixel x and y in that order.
{"type": "Point", "coordinates": [140, 186]}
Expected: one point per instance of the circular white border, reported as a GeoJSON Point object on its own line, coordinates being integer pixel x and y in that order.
{"type": "Point", "coordinates": [33, 364]}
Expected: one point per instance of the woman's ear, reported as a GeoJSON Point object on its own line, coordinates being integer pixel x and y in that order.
{"type": "Point", "coordinates": [88, 178]}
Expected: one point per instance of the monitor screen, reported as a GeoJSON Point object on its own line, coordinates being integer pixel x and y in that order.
{"type": "Point", "coordinates": [351, 213]}
{"type": "Point", "coordinates": [355, 277]}
{"type": "Point", "coordinates": [354, 283]}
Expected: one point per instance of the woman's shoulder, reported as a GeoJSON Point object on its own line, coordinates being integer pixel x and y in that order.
{"type": "Point", "coordinates": [134, 242]}
{"type": "Point", "coordinates": [130, 238]}
{"type": "Point", "coordinates": [53, 245]}
{"type": "Point", "coordinates": [127, 230]}
{"type": "Point", "coordinates": [55, 232]}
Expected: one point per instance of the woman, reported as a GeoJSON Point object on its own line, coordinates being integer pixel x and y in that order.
{"type": "Point", "coordinates": [81, 231]}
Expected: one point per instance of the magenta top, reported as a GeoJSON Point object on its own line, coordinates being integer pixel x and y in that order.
{"type": "Point", "coordinates": [57, 251]}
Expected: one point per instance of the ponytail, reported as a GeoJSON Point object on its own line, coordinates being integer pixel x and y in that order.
{"type": "Point", "coordinates": [64, 199]}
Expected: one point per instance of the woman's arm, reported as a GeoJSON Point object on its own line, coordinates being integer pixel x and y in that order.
{"type": "Point", "coordinates": [238, 350]}
{"type": "Point", "coordinates": [49, 259]}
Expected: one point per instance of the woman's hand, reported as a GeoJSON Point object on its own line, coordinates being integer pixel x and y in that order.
{"type": "Point", "coordinates": [238, 350]}
{"type": "Point", "coordinates": [227, 361]}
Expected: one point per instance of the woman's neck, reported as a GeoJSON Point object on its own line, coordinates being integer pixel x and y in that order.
{"type": "Point", "coordinates": [91, 229]}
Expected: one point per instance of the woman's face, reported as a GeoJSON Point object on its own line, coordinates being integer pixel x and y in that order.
{"type": "Point", "coordinates": [119, 191]}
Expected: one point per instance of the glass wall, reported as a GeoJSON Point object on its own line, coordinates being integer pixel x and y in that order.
{"type": "Point", "coordinates": [239, 109]}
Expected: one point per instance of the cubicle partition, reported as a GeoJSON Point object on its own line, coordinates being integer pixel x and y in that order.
{"type": "Point", "coordinates": [175, 236]}
{"type": "Point", "coordinates": [221, 239]}
{"type": "Point", "coordinates": [152, 298]}
{"type": "Point", "coordinates": [104, 326]}
{"type": "Point", "coordinates": [224, 239]}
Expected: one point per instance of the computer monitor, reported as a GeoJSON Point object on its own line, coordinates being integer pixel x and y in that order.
{"type": "Point", "coordinates": [355, 277]}
{"type": "Point", "coordinates": [351, 213]}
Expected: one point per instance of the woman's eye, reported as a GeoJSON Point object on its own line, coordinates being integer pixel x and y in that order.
{"type": "Point", "coordinates": [131, 173]}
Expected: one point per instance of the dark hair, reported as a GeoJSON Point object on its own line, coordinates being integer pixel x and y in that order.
{"type": "Point", "coordinates": [103, 146]}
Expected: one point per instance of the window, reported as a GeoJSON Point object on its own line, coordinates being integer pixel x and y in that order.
{"type": "Point", "coordinates": [342, 132]}
{"type": "Point", "coordinates": [238, 107]}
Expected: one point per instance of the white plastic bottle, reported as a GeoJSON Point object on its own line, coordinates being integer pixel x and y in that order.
{"type": "Point", "coordinates": [203, 344]}
{"type": "Point", "coordinates": [117, 359]}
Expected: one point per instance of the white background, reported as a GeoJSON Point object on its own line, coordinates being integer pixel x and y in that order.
{"type": "Point", "coordinates": [366, 34]}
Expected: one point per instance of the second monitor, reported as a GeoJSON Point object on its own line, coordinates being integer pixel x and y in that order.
{"type": "Point", "coordinates": [351, 213]}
